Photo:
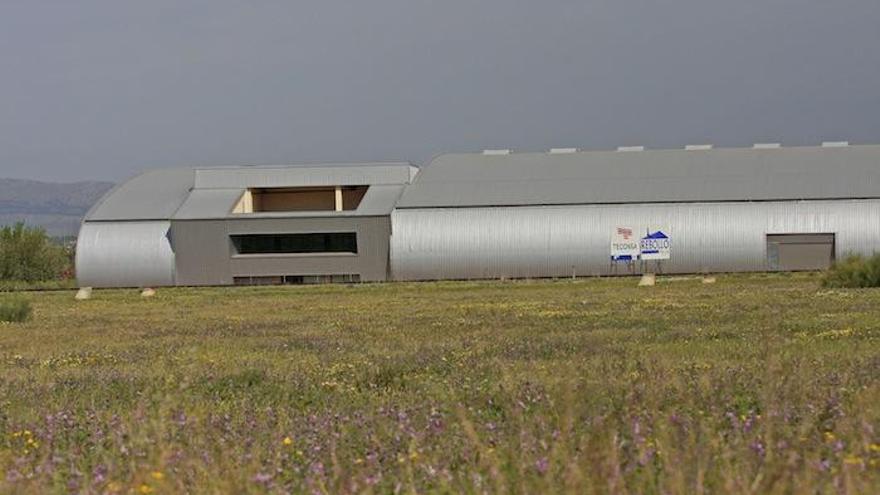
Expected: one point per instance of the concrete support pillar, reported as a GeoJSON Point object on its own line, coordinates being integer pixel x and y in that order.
{"type": "Point", "coordinates": [338, 198]}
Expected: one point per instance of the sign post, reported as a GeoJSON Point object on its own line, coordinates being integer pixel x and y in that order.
{"type": "Point", "coordinates": [656, 247]}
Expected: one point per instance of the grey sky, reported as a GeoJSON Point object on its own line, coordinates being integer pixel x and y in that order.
{"type": "Point", "coordinates": [103, 89]}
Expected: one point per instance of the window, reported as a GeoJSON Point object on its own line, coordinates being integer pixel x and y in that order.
{"type": "Point", "coordinates": [338, 198]}
{"type": "Point", "coordinates": [298, 279]}
{"type": "Point", "coordinates": [330, 242]}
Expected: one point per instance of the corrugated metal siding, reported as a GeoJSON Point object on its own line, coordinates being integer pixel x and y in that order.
{"type": "Point", "coordinates": [559, 241]}
{"type": "Point", "coordinates": [124, 254]}
{"type": "Point", "coordinates": [594, 177]}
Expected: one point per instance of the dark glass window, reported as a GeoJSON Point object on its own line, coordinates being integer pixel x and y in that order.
{"type": "Point", "coordinates": [331, 242]}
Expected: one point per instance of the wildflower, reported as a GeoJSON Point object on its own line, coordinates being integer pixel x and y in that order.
{"type": "Point", "coordinates": [287, 441]}
{"type": "Point", "coordinates": [758, 448]}
{"type": "Point", "coordinates": [852, 459]}
{"type": "Point", "coordinates": [358, 461]}
{"type": "Point", "coordinates": [145, 489]}
{"type": "Point", "coordinates": [99, 473]}
{"type": "Point", "coordinates": [829, 437]}
{"type": "Point", "coordinates": [158, 475]}
{"type": "Point", "coordinates": [263, 478]}
{"type": "Point", "coordinates": [114, 486]}
{"type": "Point", "coordinates": [541, 465]}
{"type": "Point", "coordinates": [875, 447]}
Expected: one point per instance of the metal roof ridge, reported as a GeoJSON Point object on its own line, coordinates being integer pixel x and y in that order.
{"type": "Point", "coordinates": [752, 148]}
{"type": "Point", "coordinates": [305, 165]}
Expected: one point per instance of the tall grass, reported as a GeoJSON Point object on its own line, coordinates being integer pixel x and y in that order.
{"type": "Point", "coordinates": [854, 271]}
{"type": "Point", "coordinates": [750, 385]}
{"type": "Point", "coordinates": [14, 309]}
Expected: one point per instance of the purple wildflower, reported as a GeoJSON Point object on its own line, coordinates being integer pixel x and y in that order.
{"type": "Point", "coordinates": [263, 478]}
{"type": "Point", "coordinates": [541, 465]}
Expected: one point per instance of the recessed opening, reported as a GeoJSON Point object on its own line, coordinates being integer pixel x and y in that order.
{"type": "Point", "coordinates": [347, 278]}
{"type": "Point", "coordinates": [793, 252]}
{"type": "Point", "coordinates": [280, 199]}
{"type": "Point", "coordinates": [313, 243]}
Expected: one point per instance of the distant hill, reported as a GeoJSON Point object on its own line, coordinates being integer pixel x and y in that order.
{"type": "Point", "coordinates": [57, 207]}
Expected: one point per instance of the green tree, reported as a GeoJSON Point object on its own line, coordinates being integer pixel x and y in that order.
{"type": "Point", "coordinates": [27, 254]}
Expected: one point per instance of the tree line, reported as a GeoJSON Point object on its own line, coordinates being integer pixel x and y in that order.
{"type": "Point", "coordinates": [28, 254]}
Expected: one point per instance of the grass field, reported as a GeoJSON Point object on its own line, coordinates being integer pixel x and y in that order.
{"type": "Point", "coordinates": [754, 384]}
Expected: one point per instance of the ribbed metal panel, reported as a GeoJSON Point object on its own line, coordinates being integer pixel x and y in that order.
{"type": "Point", "coordinates": [561, 241]}
{"type": "Point", "coordinates": [124, 254]}
{"type": "Point", "coordinates": [612, 177]}
{"type": "Point", "coordinates": [154, 195]}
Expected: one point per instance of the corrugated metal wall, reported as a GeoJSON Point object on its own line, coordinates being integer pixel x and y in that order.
{"type": "Point", "coordinates": [559, 241]}
{"type": "Point", "coordinates": [124, 254]}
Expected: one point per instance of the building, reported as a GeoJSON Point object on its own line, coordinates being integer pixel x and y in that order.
{"type": "Point", "coordinates": [243, 225]}
{"type": "Point", "coordinates": [490, 215]}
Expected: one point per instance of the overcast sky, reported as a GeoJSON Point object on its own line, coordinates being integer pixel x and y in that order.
{"type": "Point", "coordinates": [104, 89]}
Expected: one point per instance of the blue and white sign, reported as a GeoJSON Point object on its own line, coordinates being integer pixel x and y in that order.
{"type": "Point", "coordinates": [655, 246]}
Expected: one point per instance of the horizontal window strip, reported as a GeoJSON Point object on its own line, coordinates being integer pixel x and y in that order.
{"type": "Point", "coordinates": [324, 242]}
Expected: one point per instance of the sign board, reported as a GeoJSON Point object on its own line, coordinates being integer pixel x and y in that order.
{"type": "Point", "coordinates": [655, 246]}
{"type": "Point", "coordinates": [624, 245]}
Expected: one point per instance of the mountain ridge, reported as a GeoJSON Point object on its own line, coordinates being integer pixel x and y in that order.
{"type": "Point", "coordinates": [56, 206]}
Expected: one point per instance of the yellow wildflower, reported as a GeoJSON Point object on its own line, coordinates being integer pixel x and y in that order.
{"type": "Point", "coordinates": [145, 489]}
{"type": "Point", "coordinates": [287, 441]}
{"type": "Point", "coordinates": [851, 459]}
{"type": "Point", "coordinates": [158, 475]}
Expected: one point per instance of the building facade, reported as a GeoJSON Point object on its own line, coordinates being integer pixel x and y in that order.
{"type": "Point", "coordinates": [486, 215]}
{"type": "Point", "coordinates": [243, 225]}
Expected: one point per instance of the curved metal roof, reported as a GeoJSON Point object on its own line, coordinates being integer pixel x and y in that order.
{"type": "Point", "coordinates": [154, 195]}
{"type": "Point", "coordinates": [608, 177]}
{"type": "Point", "coordinates": [211, 192]}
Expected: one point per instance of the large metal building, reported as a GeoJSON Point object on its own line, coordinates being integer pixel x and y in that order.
{"type": "Point", "coordinates": [486, 215]}
{"type": "Point", "coordinates": [497, 215]}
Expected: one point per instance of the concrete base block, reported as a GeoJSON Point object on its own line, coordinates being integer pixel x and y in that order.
{"type": "Point", "coordinates": [648, 280]}
{"type": "Point", "coordinates": [84, 293]}
{"type": "Point", "coordinates": [708, 280]}
{"type": "Point", "coordinates": [148, 292]}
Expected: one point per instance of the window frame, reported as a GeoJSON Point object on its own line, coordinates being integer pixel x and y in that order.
{"type": "Point", "coordinates": [235, 241]}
